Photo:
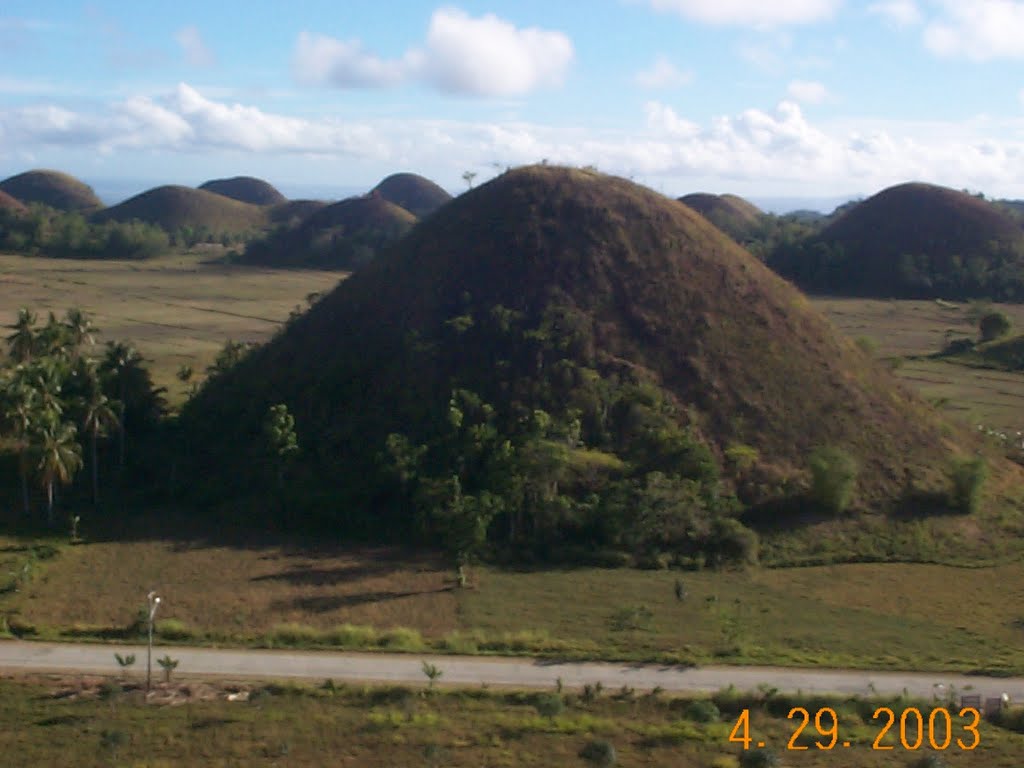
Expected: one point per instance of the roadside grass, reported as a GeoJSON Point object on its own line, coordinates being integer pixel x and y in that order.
{"type": "Point", "coordinates": [905, 330]}
{"type": "Point", "coordinates": [177, 310]}
{"type": "Point", "coordinates": [879, 616]}
{"type": "Point", "coordinates": [97, 722]}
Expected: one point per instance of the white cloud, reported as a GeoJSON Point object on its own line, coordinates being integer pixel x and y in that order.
{"type": "Point", "coordinates": [483, 56]}
{"type": "Point", "coordinates": [197, 52]}
{"type": "Point", "coordinates": [751, 12]}
{"type": "Point", "coordinates": [902, 13]}
{"type": "Point", "coordinates": [808, 92]}
{"type": "Point", "coordinates": [663, 74]}
{"type": "Point", "coordinates": [977, 29]}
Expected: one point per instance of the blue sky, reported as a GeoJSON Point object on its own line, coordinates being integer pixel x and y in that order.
{"type": "Point", "coordinates": [794, 98]}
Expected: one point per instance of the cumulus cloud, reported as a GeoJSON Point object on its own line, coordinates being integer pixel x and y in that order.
{"type": "Point", "coordinates": [776, 148]}
{"type": "Point", "coordinates": [663, 74]}
{"type": "Point", "coordinates": [483, 56]}
{"type": "Point", "coordinates": [902, 13]}
{"type": "Point", "coordinates": [977, 29]}
{"type": "Point", "coordinates": [750, 12]}
{"type": "Point", "coordinates": [807, 92]}
{"type": "Point", "coordinates": [197, 52]}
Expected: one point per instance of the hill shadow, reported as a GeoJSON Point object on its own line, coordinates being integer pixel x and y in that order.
{"type": "Point", "coordinates": [327, 603]}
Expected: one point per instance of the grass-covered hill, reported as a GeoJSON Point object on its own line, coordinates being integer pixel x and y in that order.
{"type": "Point", "coordinates": [175, 208]}
{"type": "Point", "coordinates": [738, 218]}
{"type": "Point", "coordinates": [9, 204]}
{"type": "Point", "coordinates": [559, 357]}
{"type": "Point", "coordinates": [343, 235]}
{"type": "Point", "coordinates": [53, 189]}
{"type": "Point", "coordinates": [418, 195]}
{"type": "Point", "coordinates": [912, 241]}
{"type": "Point", "coordinates": [294, 212]}
{"type": "Point", "coordinates": [245, 189]}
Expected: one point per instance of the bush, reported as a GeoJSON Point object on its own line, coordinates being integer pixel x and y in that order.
{"type": "Point", "coordinates": [600, 753]}
{"type": "Point", "coordinates": [993, 325]}
{"type": "Point", "coordinates": [732, 542]}
{"type": "Point", "coordinates": [833, 477]}
{"type": "Point", "coordinates": [759, 758]}
{"type": "Point", "coordinates": [549, 705]}
{"type": "Point", "coordinates": [173, 629]}
{"type": "Point", "coordinates": [967, 479]}
{"type": "Point", "coordinates": [929, 761]}
{"type": "Point", "coordinates": [702, 711]}
{"type": "Point", "coordinates": [293, 633]}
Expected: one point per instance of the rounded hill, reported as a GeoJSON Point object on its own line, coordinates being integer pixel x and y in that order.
{"type": "Point", "coordinates": [52, 188]}
{"type": "Point", "coordinates": [418, 195]}
{"type": "Point", "coordinates": [567, 355]}
{"type": "Point", "coordinates": [294, 212]}
{"type": "Point", "coordinates": [738, 218]}
{"type": "Point", "coordinates": [245, 189]}
{"type": "Point", "coordinates": [342, 235]}
{"type": "Point", "coordinates": [10, 204]}
{"type": "Point", "coordinates": [174, 208]}
{"type": "Point", "coordinates": [916, 241]}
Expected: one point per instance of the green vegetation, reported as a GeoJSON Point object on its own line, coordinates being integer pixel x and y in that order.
{"type": "Point", "coordinates": [994, 325]}
{"type": "Point", "coordinates": [48, 232]}
{"type": "Point", "coordinates": [833, 477]}
{"type": "Point", "coordinates": [967, 478]}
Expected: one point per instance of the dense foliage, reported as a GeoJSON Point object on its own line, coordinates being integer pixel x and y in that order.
{"type": "Point", "coordinates": [48, 232]}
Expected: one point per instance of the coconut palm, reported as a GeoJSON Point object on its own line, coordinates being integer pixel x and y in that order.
{"type": "Point", "coordinates": [22, 342]}
{"type": "Point", "coordinates": [98, 416]}
{"type": "Point", "coordinates": [52, 338]}
{"type": "Point", "coordinates": [119, 359]}
{"type": "Point", "coordinates": [60, 456]}
{"type": "Point", "coordinates": [78, 330]}
{"type": "Point", "coordinates": [19, 412]}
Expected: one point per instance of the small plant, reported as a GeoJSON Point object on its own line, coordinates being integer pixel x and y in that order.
{"type": "Point", "coordinates": [600, 753]}
{"type": "Point", "coordinates": [929, 761]}
{"type": "Point", "coordinates": [168, 665]}
{"type": "Point", "coordinates": [993, 325]}
{"type": "Point", "coordinates": [549, 705]}
{"type": "Point", "coordinates": [833, 477]}
{"type": "Point", "coordinates": [702, 711]}
{"type": "Point", "coordinates": [433, 674]}
{"type": "Point", "coordinates": [631, 618]}
{"type": "Point", "coordinates": [113, 740]}
{"type": "Point", "coordinates": [759, 758]}
{"type": "Point", "coordinates": [558, 685]}
{"type": "Point", "coordinates": [124, 661]}
{"type": "Point", "coordinates": [967, 479]}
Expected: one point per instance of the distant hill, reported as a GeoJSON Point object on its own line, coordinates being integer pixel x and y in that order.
{"type": "Point", "coordinates": [10, 204]}
{"type": "Point", "coordinates": [568, 357]}
{"type": "Point", "coordinates": [174, 208]}
{"type": "Point", "coordinates": [52, 188]}
{"type": "Point", "coordinates": [245, 189]}
{"type": "Point", "coordinates": [738, 218]}
{"type": "Point", "coordinates": [343, 235]}
{"type": "Point", "coordinates": [293, 212]}
{"type": "Point", "coordinates": [418, 195]}
{"type": "Point", "coordinates": [914, 241]}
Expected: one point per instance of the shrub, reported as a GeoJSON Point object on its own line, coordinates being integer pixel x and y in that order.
{"type": "Point", "coordinates": [600, 753]}
{"type": "Point", "coordinates": [967, 479]}
{"type": "Point", "coordinates": [993, 325]}
{"type": "Point", "coordinates": [352, 636]}
{"type": "Point", "coordinates": [702, 711]}
{"type": "Point", "coordinates": [929, 761]}
{"type": "Point", "coordinates": [833, 476]}
{"type": "Point", "coordinates": [759, 758]}
{"type": "Point", "coordinates": [402, 639]}
{"type": "Point", "coordinates": [732, 542]}
{"type": "Point", "coordinates": [550, 705]}
{"type": "Point", "coordinates": [173, 629]}
{"type": "Point", "coordinates": [293, 633]}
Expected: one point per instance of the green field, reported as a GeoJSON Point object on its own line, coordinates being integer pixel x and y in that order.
{"type": "Point", "coordinates": [101, 722]}
{"type": "Point", "coordinates": [177, 310]}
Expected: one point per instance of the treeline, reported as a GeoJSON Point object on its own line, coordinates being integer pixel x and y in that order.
{"type": "Point", "coordinates": [45, 231]}
{"type": "Point", "coordinates": [62, 402]}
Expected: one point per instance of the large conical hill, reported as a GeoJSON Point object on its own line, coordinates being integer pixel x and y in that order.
{"type": "Point", "coordinates": [175, 207]}
{"type": "Point", "coordinates": [914, 241]}
{"type": "Point", "coordinates": [650, 339]}
{"type": "Point", "coordinates": [417, 194]}
{"type": "Point", "coordinates": [245, 189]}
{"type": "Point", "coordinates": [52, 188]}
{"type": "Point", "coordinates": [738, 218]}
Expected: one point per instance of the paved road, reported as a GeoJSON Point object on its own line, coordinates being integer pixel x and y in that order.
{"type": "Point", "coordinates": [25, 656]}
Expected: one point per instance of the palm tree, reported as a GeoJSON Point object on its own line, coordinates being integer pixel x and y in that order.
{"type": "Point", "coordinates": [19, 416]}
{"type": "Point", "coordinates": [60, 457]}
{"type": "Point", "coordinates": [119, 359]}
{"type": "Point", "coordinates": [53, 338]}
{"type": "Point", "coordinates": [98, 416]}
{"type": "Point", "coordinates": [22, 342]}
{"type": "Point", "coordinates": [79, 330]}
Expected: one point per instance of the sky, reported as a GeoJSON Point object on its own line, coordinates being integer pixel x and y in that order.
{"type": "Point", "coordinates": [795, 99]}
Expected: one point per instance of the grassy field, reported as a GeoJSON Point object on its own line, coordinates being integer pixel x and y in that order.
{"type": "Point", "coordinates": [95, 722]}
{"type": "Point", "coordinates": [915, 329]}
{"type": "Point", "coordinates": [177, 310]}
{"type": "Point", "coordinates": [898, 616]}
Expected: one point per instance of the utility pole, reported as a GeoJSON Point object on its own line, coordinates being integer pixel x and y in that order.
{"type": "Point", "coordinates": [154, 603]}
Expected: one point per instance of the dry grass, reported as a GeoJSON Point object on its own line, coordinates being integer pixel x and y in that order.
{"type": "Point", "coordinates": [177, 310]}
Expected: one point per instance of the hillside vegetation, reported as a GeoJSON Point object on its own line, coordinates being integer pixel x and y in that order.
{"type": "Point", "coordinates": [53, 189]}
{"type": "Point", "coordinates": [10, 204]}
{"type": "Point", "coordinates": [245, 189]}
{"type": "Point", "coordinates": [561, 358]}
{"type": "Point", "coordinates": [912, 241]}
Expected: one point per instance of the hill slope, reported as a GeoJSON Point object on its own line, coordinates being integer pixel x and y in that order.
{"type": "Point", "coordinates": [10, 204]}
{"type": "Point", "coordinates": [735, 216]}
{"type": "Point", "coordinates": [175, 207]}
{"type": "Point", "coordinates": [915, 241]}
{"type": "Point", "coordinates": [343, 235]}
{"type": "Point", "coordinates": [245, 189]}
{"type": "Point", "coordinates": [560, 349]}
{"type": "Point", "coordinates": [52, 188]}
{"type": "Point", "coordinates": [418, 195]}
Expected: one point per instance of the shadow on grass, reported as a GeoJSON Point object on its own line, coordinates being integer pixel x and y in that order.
{"type": "Point", "coordinates": [326, 603]}
{"type": "Point", "coordinates": [383, 564]}
{"type": "Point", "coordinates": [62, 720]}
{"type": "Point", "coordinates": [921, 505]}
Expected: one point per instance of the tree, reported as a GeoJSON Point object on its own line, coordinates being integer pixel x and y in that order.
{"type": "Point", "coordinates": [78, 330]}
{"type": "Point", "coordinates": [60, 456]}
{"type": "Point", "coordinates": [282, 441]}
{"type": "Point", "coordinates": [98, 416]}
{"type": "Point", "coordinates": [994, 325]}
{"type": "Point", "coordinates": [23, 341]}
{"type": "Point", "coordinates": [468, 177]}
{"type": "Point", "coordinates": [19, 413]}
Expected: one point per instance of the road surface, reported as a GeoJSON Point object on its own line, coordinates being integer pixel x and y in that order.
{"type": "Point", "coordinates": [22, 656]}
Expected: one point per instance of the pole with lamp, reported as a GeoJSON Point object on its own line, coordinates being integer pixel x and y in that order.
{"type": "Point", "coordinates": [154, 603]}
